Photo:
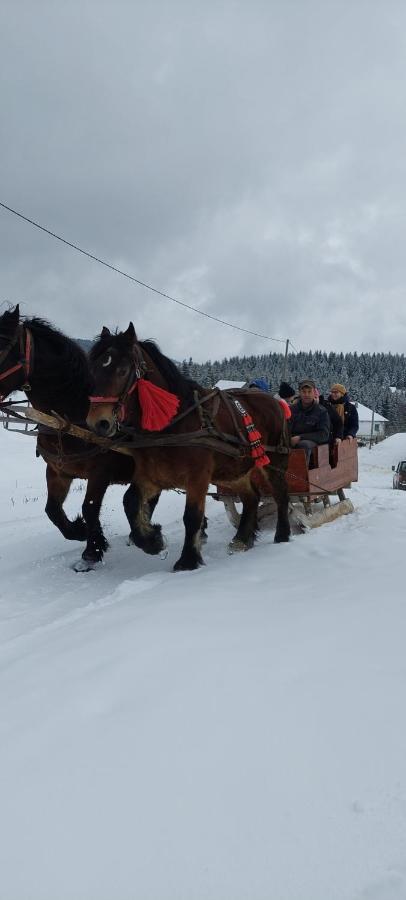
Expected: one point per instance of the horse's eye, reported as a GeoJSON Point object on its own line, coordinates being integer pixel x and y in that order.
{"type": "Point", "coordinates": [107, 362]}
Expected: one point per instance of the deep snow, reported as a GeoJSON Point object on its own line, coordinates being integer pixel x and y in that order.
{"type": "Point", "coordinates": [237, 732]}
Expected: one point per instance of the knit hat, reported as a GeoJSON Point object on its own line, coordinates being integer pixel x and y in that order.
{"type": "Point", "coordinates": [339, 388]}
{"type": "Point", "coordinates": [260, 383]}
{"type": "Point", "coordinates": [285, 390]}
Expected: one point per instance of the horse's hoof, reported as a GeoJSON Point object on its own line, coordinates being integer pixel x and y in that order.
{"type": "Point", "coordinates": [237, 546]}
{"type": "Point", "coordinates": [86, 565]}
{"type": "Point", "coordinates": [188, 565]}
{"type": "Point", "coordinates": [153, 543]}
{"type": "Point", "coordinates": [281, 539]}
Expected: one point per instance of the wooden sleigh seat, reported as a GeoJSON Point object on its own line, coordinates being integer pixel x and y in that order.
{"type": "Point", "coordinates": [329, 470]}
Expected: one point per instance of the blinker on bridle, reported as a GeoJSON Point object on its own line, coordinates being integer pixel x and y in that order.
{"type": "Point", "coordinates": [25, 361]}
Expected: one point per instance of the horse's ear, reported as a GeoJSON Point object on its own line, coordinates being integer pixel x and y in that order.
{"type": "Point", "coordinates": [105, 331]}
{"type": "Point", "coordinates": [14, 315]}
{"type": "Point", "coordinates": [130, 333]}
{"type": "Point", "coordinates": [12, 318]}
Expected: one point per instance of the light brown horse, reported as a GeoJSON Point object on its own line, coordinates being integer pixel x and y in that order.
{"type": "Point", "coordinates": [124, 369]}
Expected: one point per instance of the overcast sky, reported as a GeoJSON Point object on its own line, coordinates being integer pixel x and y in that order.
{"type": "Point", "coordinates": [248, 158]}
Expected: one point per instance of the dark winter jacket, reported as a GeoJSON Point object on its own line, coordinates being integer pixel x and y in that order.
{"type": "Point", "coordinates": [351, 421]}
{"type": "Point", "coordinates": [310, 422]}
{"type": "Point", "coordinates": [336, 424]}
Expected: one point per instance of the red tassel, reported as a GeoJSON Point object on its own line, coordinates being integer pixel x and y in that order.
{"type": "Point", "coordinates": [257, 451]}
{"type": "Point", "coordinates": [263, 460]}
{"type": "Point", "coordinates": [254, 435]}
{"type": "Point", "coordinates": [158, 407]}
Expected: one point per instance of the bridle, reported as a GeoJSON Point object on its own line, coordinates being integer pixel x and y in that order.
{"type": "Point", "coordinates": [137, 372]}
{"type": "Point", "coordinates": [23, 337]}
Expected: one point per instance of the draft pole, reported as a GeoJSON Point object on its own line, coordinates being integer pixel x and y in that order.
{"type": "Point", "coordinates": [285, 361]}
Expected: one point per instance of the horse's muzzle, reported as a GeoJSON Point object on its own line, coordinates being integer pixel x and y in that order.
{"type": "Point", "coordinates": [104, 428]}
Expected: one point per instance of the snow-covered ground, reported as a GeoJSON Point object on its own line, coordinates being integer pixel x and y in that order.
{"type": "Point", "coordinates": [237, 733]}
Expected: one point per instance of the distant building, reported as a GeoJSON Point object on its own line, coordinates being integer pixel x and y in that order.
{"type": "Point", "coordinates": [365, 421]}
{"type": "Point", "coordinates": [226, 385]}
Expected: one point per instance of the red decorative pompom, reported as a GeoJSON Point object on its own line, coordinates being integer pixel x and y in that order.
{"type": "Point", "coordinates": [158, 407]}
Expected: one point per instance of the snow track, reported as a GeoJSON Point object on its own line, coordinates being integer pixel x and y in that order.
{"type": "Point", "coordinates": [233, 732]}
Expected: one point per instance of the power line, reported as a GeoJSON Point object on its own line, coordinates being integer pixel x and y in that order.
{"type": "Point", "coordinates": [132, 278]}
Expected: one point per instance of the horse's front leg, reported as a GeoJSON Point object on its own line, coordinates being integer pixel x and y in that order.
{"type": "Point", "coordinates": [96, 542]}
{"type": "Point", "coordinates": [58, 484]}
{"type": "Point", "coordinates": [138, 508]}
{"type": "Point", "coordinates": [191, 557]}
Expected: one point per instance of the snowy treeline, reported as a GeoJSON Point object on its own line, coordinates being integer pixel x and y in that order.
{"type": "Point", "coordinates": [367, 376]}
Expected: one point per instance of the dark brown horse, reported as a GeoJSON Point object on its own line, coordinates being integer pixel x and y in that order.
{"type": "Point", "coordinates": [123, 368]}
{"type": "Point", "coordinates": [54, 372]}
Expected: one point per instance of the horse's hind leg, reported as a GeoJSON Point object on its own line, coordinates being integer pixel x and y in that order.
{"type": "Point", "coordinates": [191, 557]}
{"type": "Point", "coordinates": [280, 492]}
{"type": "Point", "coordinates": [58, 484]}
{"type": "Point", "coordinates": [138, 510]}
{"type": "Point", "coordinates": [248, 527]}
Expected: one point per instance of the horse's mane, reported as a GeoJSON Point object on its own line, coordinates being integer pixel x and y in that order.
{"type": "Point", "coordinates": [177, 383]}
{"type": "Point", "coordinates": [71, 364]}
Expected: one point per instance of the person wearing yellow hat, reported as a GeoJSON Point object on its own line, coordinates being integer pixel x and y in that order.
{"type": "Point", "coordinates": [339, 398]}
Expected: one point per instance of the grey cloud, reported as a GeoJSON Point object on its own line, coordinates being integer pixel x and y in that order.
{"type": "Point", "coordinates": [248, 158]}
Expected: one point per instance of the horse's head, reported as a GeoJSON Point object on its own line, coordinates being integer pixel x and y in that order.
{"type": "Point", "coordinates": [116, 364]}
{"type": "Point", "coordinates": [11, 368]}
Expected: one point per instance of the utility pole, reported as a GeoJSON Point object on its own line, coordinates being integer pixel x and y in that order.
{"type": "Point", "coordinates": [372, 426]}
{"type": "Point", "coordinates": [285, 361]}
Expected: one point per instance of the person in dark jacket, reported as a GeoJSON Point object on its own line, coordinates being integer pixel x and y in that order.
{"type": "Point", "coordinates": [339, 398]}
{"type": "Point", "coordinates": [336, 423]}
{"type": "Point", "coordinates": [310, 424]}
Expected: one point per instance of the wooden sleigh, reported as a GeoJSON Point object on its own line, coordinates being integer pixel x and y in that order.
{"type": "Point", "coordinates": [311, 487]}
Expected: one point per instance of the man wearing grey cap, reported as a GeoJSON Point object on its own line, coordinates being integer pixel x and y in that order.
{"type": "Point", "coordinates": [310, 423]}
